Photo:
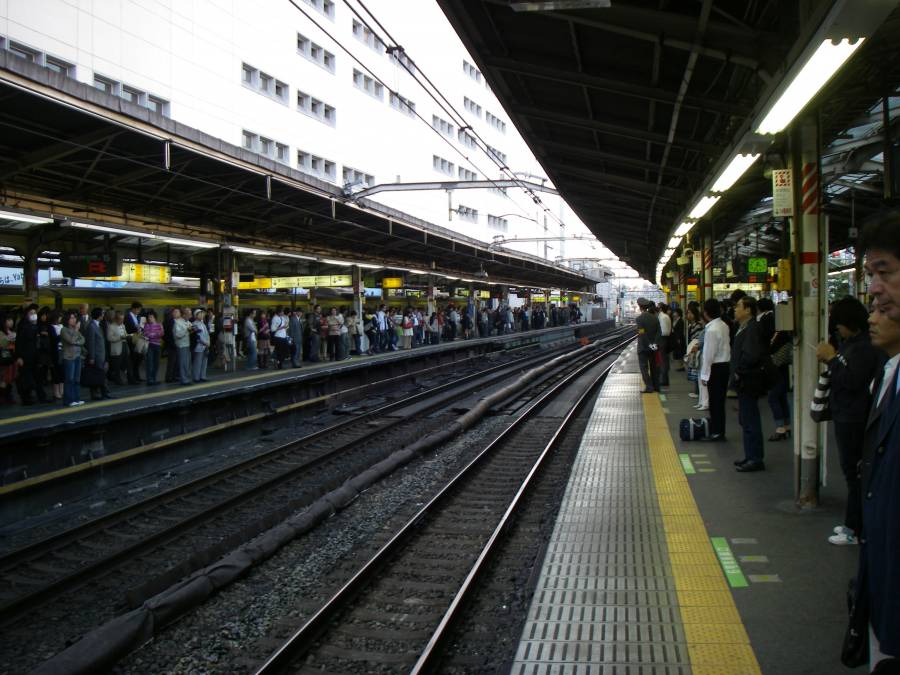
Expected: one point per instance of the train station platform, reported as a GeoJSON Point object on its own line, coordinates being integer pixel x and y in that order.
{"type": "Point", "coordinates": [42, 443]}
{"type": "Point", "coordinates": [664, 559]}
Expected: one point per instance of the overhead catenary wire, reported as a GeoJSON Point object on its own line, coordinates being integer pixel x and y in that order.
{"type": "Point", "coordinates": [460, 120]}
{"type": "Point", "coordinates": [392, 91]}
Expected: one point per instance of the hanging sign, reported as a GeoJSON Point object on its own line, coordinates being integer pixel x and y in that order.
{"type": "Point", "coordinates": [91, 264]}
{"type": "Point", "coordinates": [757, 265]}
{"type": "Point", "coordinates": [323, 281]}
{"type": "Point", "coordinates": [392, 282]}
{"type": "Point", "coordinates": [782, 193]}
{"type": "Point", "coordinates": [140, 273]}
{"type": "Point", "coordinates": [698, 261]}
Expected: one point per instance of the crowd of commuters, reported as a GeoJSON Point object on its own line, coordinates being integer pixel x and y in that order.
{"type": "Point", "coordinates": [732, 345]}
{"type": "Point", "coordinates": [47, 356]}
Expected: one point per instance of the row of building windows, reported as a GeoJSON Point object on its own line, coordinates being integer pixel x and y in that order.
{"type": "Point", "coordinates": [315, 53]}
{"type": "Point", "coordinates": [472, 71]}
{"type": "Point", "coordinates": [254, 142]}
{"type": "Point", "coordinates": [367, 84]}
{"type": "Point", "coordinates": [465, 174]}
{"type": "Point", "coordinates": [466, 139]}
{"type": "Point", "coordinates": [471, 106]}
{"type": "Point", "coordinates": [131, 94]}
{"type": "Point", "coordinates": [316, 166]}
{"type": "Point", "coordinates": [105, 84]}
{"type": "Point", "coordinates": [362, 33]}
{"type": "Point", "coordinates": [498, 223]}
{"type": "Point", "coordinates": [325, 7]}
{"type": "Point", "coordinates": [310, 105]}
{"type": "Point", "coordinates": [442, 165]}
{"type": "Point", "coordinates": [495, 122]}
{"type": "Point", "coordinates": [403, 104]}
{"type": "Point", "coordinates": [442, 125]}
{"type": "Point", "coordinates": [264, 83]}
{"type": "Point", "coordinates": [467, 213]}
{"type": "Point", "coordinates": [501, 156]}
{"type": "Point", "coordinates": [353, 176]}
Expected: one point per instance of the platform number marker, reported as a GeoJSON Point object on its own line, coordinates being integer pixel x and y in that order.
{"type": "Point", "coordinates": [729, 563]}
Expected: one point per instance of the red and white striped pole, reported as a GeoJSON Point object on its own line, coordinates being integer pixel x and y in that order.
{"type": "Point", "coordinates": [707, 267]}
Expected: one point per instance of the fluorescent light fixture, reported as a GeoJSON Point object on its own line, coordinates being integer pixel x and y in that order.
{"type": "Point", "coordinates": [824, 63]}
{"type": "Point", "coordinates": [188, 242]}
{"type": "Point", "coordinates": [702, 207]}
{"type": "Point", "coordinates": [674, 241]}
{"type": "Point", "coordinates": [111, 230]}
{"type": "Point", "coordinates": [297, 256]}
{"type": "Point", "coordinates": [683, 229]}
{"type": "Point", "coordinates": [558, 5]}
{"type": "Point", "coordinates": [735, 169]}
{"type": "Point", "coordinates": [251, 251]}
{"type": "Point", "coordinates": [329, 261]}
{"type": "Point", "coordinates": [417, 271]}
{"type": "Point", "coordinates": [24, 218]}
{"type": "Point", "coordinates": [669, 252]}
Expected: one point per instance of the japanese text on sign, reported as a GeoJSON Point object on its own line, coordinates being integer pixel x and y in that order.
{"type": "Point", "coordinates": [782, 193]}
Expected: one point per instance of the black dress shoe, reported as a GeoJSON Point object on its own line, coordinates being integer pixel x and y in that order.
{"type": "Point", "coordinates": [647, 391]}
{"type": "Point", "coordinates": [751, 465]}
{"type": "Point", "coordinates": [107, 396]}
{"type": "Point", "coordinates": [740, 462]}
{"type": "Point", "coordinates": [715, 438]}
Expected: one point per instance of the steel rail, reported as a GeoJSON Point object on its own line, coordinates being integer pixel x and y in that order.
{"type": "Point", "coordinates": [304, 637]}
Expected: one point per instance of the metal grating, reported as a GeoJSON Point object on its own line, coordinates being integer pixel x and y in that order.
{"type": "Point", "coordinates": [606, 600]}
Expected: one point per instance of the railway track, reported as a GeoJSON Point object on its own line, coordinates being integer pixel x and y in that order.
{"type": "Point", "coordinates": [133, 553]}
{"type": "Point", "coordinates": [396, 612]}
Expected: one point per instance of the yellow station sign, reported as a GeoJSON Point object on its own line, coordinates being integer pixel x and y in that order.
{"type": "Point", "coordinates": [141, 273]}
{"type": "Point", "coordinates": [322, 281]}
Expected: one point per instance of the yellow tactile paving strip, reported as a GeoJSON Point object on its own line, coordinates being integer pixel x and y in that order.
{"type": "Point", "coordinates": [716, 638]}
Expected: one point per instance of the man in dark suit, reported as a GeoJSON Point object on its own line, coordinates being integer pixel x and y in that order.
{"type": "Point", "coordinates": [748, 381]}
{"type": "Point", "coordinates": [648, 344]}
{"type": "Point", "coordinates": [96, 353]}
{"type": "Point", "coordinates": [878, 578]}
{"type": "Point", "coordinates": [133, 329]}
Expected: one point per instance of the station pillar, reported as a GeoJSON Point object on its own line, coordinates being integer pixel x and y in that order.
{"type": "Point", "coordinates": [359, 293]}
{"type": "Point", "coordinates": [706, 286]}
{"type": "Point", "coordinates": [430, 294]}
{"type": "Point", "coordinates": [809, 241]}
{"type": "Point", "coordinates": [30, 277]}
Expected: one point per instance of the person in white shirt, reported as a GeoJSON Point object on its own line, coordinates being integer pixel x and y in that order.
{"type": "Point", "coordinates": [714, 369]}
{"type": "Point", "coordinates": [665, 335]}
{"type": "Point", "coordinates": [279, 328]}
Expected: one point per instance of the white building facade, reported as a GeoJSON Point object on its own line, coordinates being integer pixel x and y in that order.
{"type": "Point", "coordinates": [319, 87]}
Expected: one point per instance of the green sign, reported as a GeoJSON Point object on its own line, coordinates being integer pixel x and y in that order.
{"type": "Point", "coordinates": [729, 563]}
{"type": "Point", "coordinates": [757, 265]}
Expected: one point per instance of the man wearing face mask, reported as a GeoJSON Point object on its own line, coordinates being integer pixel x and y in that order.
{"type": "Point", "coordinates": [27, 353]}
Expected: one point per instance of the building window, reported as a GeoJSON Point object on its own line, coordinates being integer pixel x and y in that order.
{"type": "Point", "coordinates": [497, 223]}
{"type": "Point", "coordinates": [355, 177]}
{"type": "Point", "coordinates": [158, 105]}
{"type": "Point", "coordinates": [467, 213]}
{"type": "Point", "coordinates": [313, 107]}
{"type": "Point", "coordinates": [442, 165]}
{"type": "Point", "coordinates": [133, 95]}
{"type": "Point", "coordinates": [264, 83]}
{"type": "Point", "coordinates": [466, 139]}
{"type": "Point", "coordinates": [315, 53]}
{"type": "Point", "coordinates": [501, 156]}
{"type": "Point", "coordinates": [495, 122]}
{"type": "Point", "coordinates": [38, 57]}
{"type": "Point", "coordinates": [249, 140]}
{"type": "Point", "coordinates": [316, 166]}
{"type": "Point", "coordinates": [442, 125]}
{"type": "Point", "coordinates": [471, 106]}
{"type": "Point", "coordinates": [362, 33]}
{"type": "Point", "coordinates": [399, 57]}
{"type": "Point", "coordinates": [106, 85]}
{"type": "Point", "coordinates": [23, 52]}
{"type": "Point", "coordinates": [402, 104]}
{"type": "Point", "coordinates": [325, 7]}
{"type": "Point", "coordinates": [59, 66]}
{"type": "Point", "coordinates": [465, 174]}
{"type": "Point", "coordinates": [367, 84]}
{"type": "Point", "coordinates": [471, 71]}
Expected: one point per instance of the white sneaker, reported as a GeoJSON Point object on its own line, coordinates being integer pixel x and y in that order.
{"type": "Point", "coordinates": [842, 529]}
{"type": "Point", "coordinates": [843, 539]}
{"type": "Point", "coordinates": [693, 395]}
{"type": "Point", "coordinates": [75, 404]}
{"type": "Point", "coordinates": [702, 407]}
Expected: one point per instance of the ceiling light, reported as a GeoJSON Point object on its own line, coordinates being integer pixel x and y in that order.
{"type": "Point", "coordinates": [735, 169]}
{"type": "Point", "coordinates": [558, 5]}
{"type": "Point", "coordinates": [674, 241]}
{"type": "Point", "coordinates": [683, 229]}
{"type": "Point", "coordinates": [251, 251]}
{"type": "Point", "coordinates": [417, 271]}
{"type": "Point", "coordinates": [329, 261]}
{"type": "Point", "coordinates": [111, 230]}
{"type": "Point", "coordinates": [189, 242]}
{"type": "Point", "coordinates": [702, 207]}
{"type": "Point", "coordinates": [824, 63]}
{"type": "Point", "coordinates": [24, 218]}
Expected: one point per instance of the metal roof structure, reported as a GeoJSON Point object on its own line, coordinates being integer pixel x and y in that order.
{"type": "Point", "coordinates": [80, 153]}
{"type": "Point", "coordinates": [633, 108]}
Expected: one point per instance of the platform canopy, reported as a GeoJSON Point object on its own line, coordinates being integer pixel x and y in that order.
{"type": "Point", "coordinates": [635, 107]}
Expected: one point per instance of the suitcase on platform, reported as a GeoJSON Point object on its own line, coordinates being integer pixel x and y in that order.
{"type": "Point", "coordinates": [693, 429]}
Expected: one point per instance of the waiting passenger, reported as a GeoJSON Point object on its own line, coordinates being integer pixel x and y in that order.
{"type": "Point", "coordinates": [263, 340]}
{"type": "Point", "coordinates": [28, 373]}
{"type": "Point", "coordinates": [250, 340]}
{"type": "Point", "coordinates": [8, 363]}
{"type": "Point", "coordinates": [852, 367]}
{"type": "Point", "coordinates": [334, 323]}
{"type": "Point", "coordinates": [295, 337]}
{"type": "Point", "coordinates": [115, 337]}
{"type": "Point", "coordinates": [96, 365]}
{"type": "Point", "coordinates": [72, 342]}
{"type": "Point", "coordinates": [181, 331]}
{"type": "Point", "coordinates": [714, 367]}
{"type": "Point", "coordinates": [201, 347]}
{"type": "Point", "coordinates": [665, 333]}
{"type": "Point", "coordinates": [57, 375]}
{"type": "Point", "coordinates": [648, 345]}
{"type": "Point", "coordinates": [781, 350]}
{"type": "Point", "coordinates": [355, 330]}
{"type": "Point", "coordinates": [749, 381]}
{"type": "Point", "coordinates": [153, 332]}
{"type": "Point", "coordinates": [134, 353]}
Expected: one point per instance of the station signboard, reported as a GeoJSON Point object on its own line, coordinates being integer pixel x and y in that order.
{"type": "Point", "coordinates": [322, 281]}
{"type": "Point", "coordinates": [757, 265]}
{"type": "Point", "coordinates": [782, 193]}
{"type": "Point", "coordinates": [140, 273]}
{"type": "Point", "coordinates": [91, 264]}
{"type": "Point", "coordinates": [392, 282]}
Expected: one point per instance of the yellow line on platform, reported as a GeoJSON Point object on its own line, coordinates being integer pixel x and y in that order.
{"type": "Point", "coordinates": [716, 638]}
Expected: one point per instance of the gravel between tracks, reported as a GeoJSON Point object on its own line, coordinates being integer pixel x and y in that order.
{"type": "Point", "coordinates": [234, 629]}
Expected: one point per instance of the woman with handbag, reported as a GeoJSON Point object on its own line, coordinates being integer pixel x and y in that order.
{"type": "Point", "coordinates": [852, 367]}
{"type": "Point", "coordinates": [781, 350]}
{"type": "Point", "coordinates": [7, 358]}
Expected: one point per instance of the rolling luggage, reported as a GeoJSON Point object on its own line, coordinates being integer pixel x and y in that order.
{"type": "Point", "coordinates": [693, 429]}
